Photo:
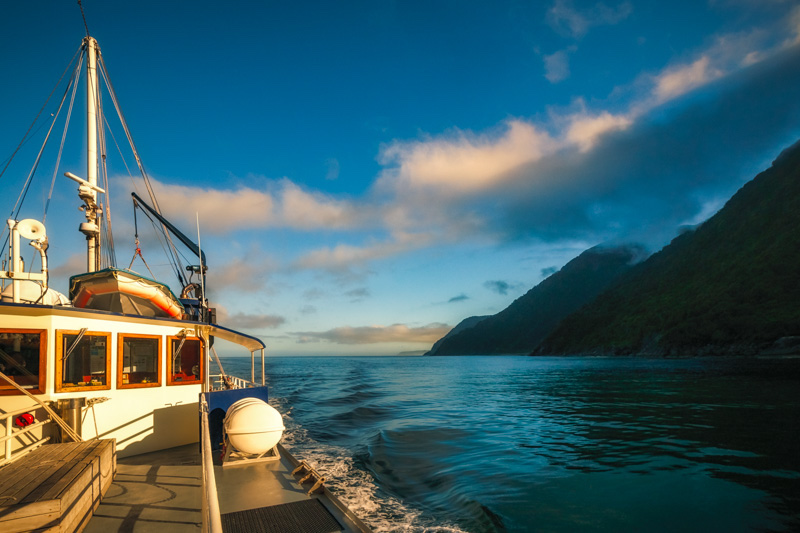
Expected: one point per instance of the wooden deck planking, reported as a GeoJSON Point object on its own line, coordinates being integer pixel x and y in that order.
{"type": "Point", "coordinates": [17, 474]}
{"type": "Point", "coordinates": [26, 475]}
{"type": "Point", "coordinates": [57, 488]}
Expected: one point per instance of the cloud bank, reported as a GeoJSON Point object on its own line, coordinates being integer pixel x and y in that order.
{"type": "Point", "coordinates": [588, 173]}
{"type": "Point", "coordinates": [376, 334]}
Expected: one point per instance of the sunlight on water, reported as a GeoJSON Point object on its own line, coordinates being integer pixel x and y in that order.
{"type": "Point", "coordinates": [506, 444]}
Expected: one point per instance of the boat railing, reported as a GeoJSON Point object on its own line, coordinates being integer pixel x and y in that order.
{"type": "Point", "coordinates": [226, 381]}
{"type": "Point", "coordinates": [212, 520]}
{"type": "Point", "coordinates": [26, 437]}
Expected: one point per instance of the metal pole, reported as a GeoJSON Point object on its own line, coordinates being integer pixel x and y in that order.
{"type": "Point", "coordinates": [263, 377]}
{"type": "Point", "coordinates": [15, 259]}
{"type": "Point", "coordinates": [92, 241]}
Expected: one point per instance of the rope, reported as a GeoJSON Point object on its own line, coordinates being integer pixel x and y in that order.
{"type": "Point", "coordinates": [172, 252]}
{"type": "Point", "coordinates": [74, 84]}
{"type": "Point", "coordinates": [57, 419]}
{"type": "Point", "coordinates": [84, 18]}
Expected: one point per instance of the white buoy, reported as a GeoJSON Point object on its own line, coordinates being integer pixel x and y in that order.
{"type": "Point", "coordinates": [253, 426]}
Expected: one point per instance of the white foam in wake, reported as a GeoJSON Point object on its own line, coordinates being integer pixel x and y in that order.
{"type": "Point", "coordinates": [355, 487]}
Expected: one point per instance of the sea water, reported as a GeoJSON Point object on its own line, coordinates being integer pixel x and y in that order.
{"type": "Point", "coordinates": [518, 444]}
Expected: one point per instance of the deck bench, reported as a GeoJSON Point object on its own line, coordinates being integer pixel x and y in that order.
{"type": "Point", "coordinates": [56, 487]}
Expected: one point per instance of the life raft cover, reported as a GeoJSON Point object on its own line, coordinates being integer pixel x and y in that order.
{"type": "Point", "coordinates": [123, 291]}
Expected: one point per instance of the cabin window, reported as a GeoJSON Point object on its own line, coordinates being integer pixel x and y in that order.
{"type": "Point", "coordinates": [83, 359]}
{"type": "Point", "coordinates": [185, 362]}
{"type": "Point", "coordinates": [139, 362]}
{"type": "Point", "coordinates": [22, 359]}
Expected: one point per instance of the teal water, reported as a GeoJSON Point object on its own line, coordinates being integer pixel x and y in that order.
{"type": "Point", "coordinates": [518, 444]}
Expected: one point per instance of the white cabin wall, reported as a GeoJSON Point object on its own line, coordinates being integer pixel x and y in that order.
{"type": "Point", "coordinates": [141, 419]}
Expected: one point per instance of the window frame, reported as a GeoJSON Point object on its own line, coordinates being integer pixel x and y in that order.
{"type": "Point", "coordinates": [5, 388]}
{"type": "Point", "coordinates": [121, 353]}
{"type": "Point", "coordinates": [58, 378]}
{"type": "Point", "coordinates": [201, 379]}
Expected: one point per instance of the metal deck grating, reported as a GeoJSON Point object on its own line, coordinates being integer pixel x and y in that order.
{"type": "Point", "coordinates": [305, 516]}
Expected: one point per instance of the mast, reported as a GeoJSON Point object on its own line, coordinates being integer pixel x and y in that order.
{"type": "Point", "coordinates": [91, 227]}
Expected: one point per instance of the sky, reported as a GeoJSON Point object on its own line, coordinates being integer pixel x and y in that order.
{"type": "Point", "coordinates": [365, 175]}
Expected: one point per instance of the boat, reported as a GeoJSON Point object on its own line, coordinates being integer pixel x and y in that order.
{"type": "Point", "coordinates": [114, 396]}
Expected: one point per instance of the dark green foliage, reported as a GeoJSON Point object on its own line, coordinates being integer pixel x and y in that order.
{"type": "Point", "coordinates": [730, 286]}
{"type": "Point", "coordinates": [524, 323]}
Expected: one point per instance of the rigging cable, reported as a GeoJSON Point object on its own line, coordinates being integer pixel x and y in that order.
{"type": "Point", "coordinates": [107, 235]}
{"type": "Point", "coordinates": [138, 250]}
{"type": "Point", "coordinates": [84, 18]}
{"type": "Point", "coordinates": [74, 83]}
{"type": "Point", "coordinates": [26, 187]}
{"type": "Point", "coordinates": [35, 120]}
{"type": "Point", "coordinates": [172, 251]}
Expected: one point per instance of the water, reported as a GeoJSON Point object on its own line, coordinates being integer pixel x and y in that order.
{"type": "Point", "coordinates": [518, 444]}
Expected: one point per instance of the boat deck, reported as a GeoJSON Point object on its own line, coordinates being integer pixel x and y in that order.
{"type": "Point", "coordinates": [158, 491]}
{"type": "Point", "coordinates": [163, 491]}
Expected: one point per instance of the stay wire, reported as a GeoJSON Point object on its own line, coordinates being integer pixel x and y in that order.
{"type": "Point", "coordinates": [84, 18]}
{"type": "Point", "coordinates": [171, 251]}
{"type": "Point", "coordinates": [26, 187]}
{"type": "Point", "coordinates": [35, 120]}
{"type": "Point", "coordinates": [74, 84]}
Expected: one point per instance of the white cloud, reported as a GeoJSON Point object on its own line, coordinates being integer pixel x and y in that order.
{"type": "Point", "coordinates": [281, 203]}
{"type": "Point", "coordinates": [794, 24]}
{"type": "Point", "coordinates": [343, 257]}
{"type": "Point", "coordinates": [584, 129]}
{"type": "Point", "coordinates": [303, 210]}
{"type": "Point", "coordinates": [437, 188]}
{"type": "Point", "coordinates": [677, 81]}
{"type": "Point", "coordinates": [220, 210]}
{"type": "Point", "coordinates": [556, 66]}
{"type": "Point", "coordinates": [377, 334]}
{"type": "Point", "coordinates": [567, 20]}
{"type": "Point", "coordinates": [245, 272]}
{"type": "Point", "coordinates": [247, 321]}
{"type": "Point", "coordinates": [463, 161]}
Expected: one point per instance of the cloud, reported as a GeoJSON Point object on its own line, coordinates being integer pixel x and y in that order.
{"type": "Point", "coordinates": [279, 204]}
{"type": "Point", "coordinates": [556, 66]}
{"type": "Point", "coordinates": [643, 181]}
{"type": "Point", "coordinates": [584, 129]}
{"type": "Point", "coordinates": [249, 322]}
{"type": "Point", "coordinates": [682, 79]}
{"type": "Point", "coordinates": [565, 19]}
{"type": "Point", "coordinates": [333, 169]}
{"type": "Point", "coordinates": [376, 334]}
{"type": "Point", "coordinates": [459, 298]}
{"type": "Point", "coordinates": [461, 161]}
{"type": "Point", "coordinates": [357, 295]}
{"type": "Point", "coordinates": [246, 271]}
{"type": "Point", "coordinates": [549, 271]}
{"type": "Point", "coordinates": [343, 258]}
{"type": "Point", "coordinates": [501, 287]}
{"type": "Point", "coordinates": [584, 173]}
{"type": "Point", "coordinates": [592, 175]}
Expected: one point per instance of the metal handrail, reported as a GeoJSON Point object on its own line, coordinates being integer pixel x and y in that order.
{"type": "Point", "coordinates": [212, 520]}
{"type": "Point", "coordinates": [233, 382]}
{"type": "Point", "coordinates": [7, 420]}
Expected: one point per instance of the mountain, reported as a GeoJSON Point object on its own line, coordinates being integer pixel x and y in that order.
{"type": "Point", "coordinates": [522, 325]}
{"type": "Point", "coordinates": [731, 286]}
{"type": "Point", "coordinates": [461, 326]}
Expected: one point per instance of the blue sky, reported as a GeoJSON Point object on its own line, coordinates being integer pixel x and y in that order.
{"type": "Point", "coordinates": [367, 174]}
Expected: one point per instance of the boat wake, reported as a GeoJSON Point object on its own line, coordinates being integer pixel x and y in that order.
{"type": "Point", "coordinates": [353, 485]}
